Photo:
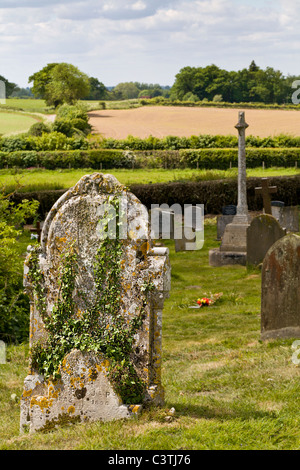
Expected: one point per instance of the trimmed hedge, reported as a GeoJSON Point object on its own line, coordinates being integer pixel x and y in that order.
{"type": "Point", "coordinates": [213, 194]}
{"type": "Point", "coordinates": [161, 101]}
{"type": "Point", "coordinates": [114, 158]}
{"type": "Point", "coordinates": [66, 159]}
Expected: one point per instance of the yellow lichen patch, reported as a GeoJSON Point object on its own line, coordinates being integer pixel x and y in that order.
{"type": "Point", "coordinates": [71, 409]}
{"type": "Point", "coordinates": [26, 393]}
{"type": "Point", "coordinates": [43, 402]}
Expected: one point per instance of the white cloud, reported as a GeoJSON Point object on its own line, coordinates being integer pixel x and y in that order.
{"type": "Point", "coordinates": [146, 40]}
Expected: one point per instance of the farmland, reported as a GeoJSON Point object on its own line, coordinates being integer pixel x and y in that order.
{"type": "Point", "coordinates": [160, 121]}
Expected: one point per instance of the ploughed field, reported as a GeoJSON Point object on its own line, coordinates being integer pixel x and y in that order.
{"type": "Point", "coordinates": [160, 121]}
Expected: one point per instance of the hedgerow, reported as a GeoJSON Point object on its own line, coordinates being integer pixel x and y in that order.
{"type": "Point", "coordinates": [208, 158]}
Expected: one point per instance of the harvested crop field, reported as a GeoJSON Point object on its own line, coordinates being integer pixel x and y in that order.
{"type": "Point", "coordinates": [160, 121]}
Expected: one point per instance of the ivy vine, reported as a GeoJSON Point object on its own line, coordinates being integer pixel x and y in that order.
{"type": "Point", "coordinates": [100, 327]}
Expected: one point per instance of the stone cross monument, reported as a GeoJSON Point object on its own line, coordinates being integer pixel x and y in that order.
{"type": "Point", "coordinates": [233, 249]}
{"type": "Point", "coordinates": [242, 207]}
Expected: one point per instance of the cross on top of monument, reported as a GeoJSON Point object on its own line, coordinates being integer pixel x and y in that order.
{"type": "Point", "coordinates": [265, 190]}
{"type": "Point", "coordinates": [241, 123]}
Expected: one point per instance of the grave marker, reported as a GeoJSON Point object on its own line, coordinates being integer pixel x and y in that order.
{"type": "Point", "coordinates": [96, 279]}
{"type": "Point", "coordinates": [280, 290]}
{"type": "Point", "coordinates": [265, 191]}
{"type": "Point", "coordinates": [234, 242]}
{"type": "Point", "coordinates": [262, 233]}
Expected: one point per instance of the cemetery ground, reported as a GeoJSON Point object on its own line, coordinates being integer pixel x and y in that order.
{"type": "Point", "coordinates": [229, 389]}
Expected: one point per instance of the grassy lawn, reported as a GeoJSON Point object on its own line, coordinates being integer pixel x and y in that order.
{"type": "Point", "coordinates": [230, 390]}
{"type": "Point", "coordinates": [11, 122]}
{"type": "Point", "coordinates": [29, 105]}
{"type": "Point", "coordinates": [35, 179]}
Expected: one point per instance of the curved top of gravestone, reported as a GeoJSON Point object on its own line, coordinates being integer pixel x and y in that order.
{"type": "Point", "coordinates": [280, 295]}
{"type": "Point", "coordinates": [268, 221]}
{"type": "Point", "coordinates": [92, 185]}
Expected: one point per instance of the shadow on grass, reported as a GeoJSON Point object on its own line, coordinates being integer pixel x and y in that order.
{"type": "Point", "coordinates": [223, 411]}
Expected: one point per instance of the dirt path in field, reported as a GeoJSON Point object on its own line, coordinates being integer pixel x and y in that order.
{"type": "Point", "coordinates": [160, 121]}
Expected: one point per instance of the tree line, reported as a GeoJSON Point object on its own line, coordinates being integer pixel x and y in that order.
{"type": "Point", "coordinates": [251, 84]}
{"type": "Point", "coordinates": [59, 83]}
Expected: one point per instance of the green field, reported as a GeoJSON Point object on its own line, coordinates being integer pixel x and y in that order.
{"type": "Point", "coordinates": [29, 105]}
{"type": "Point", "coordinates": [11, 122]}
{"type": "Point", "coordinates": [230, 390]}
{"type": "Point", "coordinates": [38, 179]}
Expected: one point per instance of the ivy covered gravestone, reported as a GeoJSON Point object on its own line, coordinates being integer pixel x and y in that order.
{"type": "Point", "coordinates": [97, 288]}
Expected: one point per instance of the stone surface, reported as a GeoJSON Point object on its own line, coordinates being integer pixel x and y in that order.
{"type": "Point", "coordinates": [222, 221]}
{"type": "Point", "coordinates": [287, 216]}
{"type": "Point", "coordinates": [223, 258]}
{"type": "Point", "coordinates": [262, 233]}
{"type": "Point", "coordinates": [77, 219]}
{"type": "Point", "coordinates": [234, 239]}
{"type": "Point", "coordinates": [280, 290]}
{"type": "Point", "coordinates": [83, 393]}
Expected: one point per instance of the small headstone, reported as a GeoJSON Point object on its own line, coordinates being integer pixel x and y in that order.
{"type": "Point", "coordinates": [277, 203]}
{"type": "Point", "coordinates": [162, 223]}
{"type": "Point", "coordinates": [287, 216]}
{"type": "Point", "coordinates": [229, 210]}
{"type": "Point", "coordinates": [114, 301]}
{"type": "Point", "coordinates": [262, 233]}
{"type": "Point", "coordinates": [192, 231]}
{"type": "Point", "coordinates": [280, 290]}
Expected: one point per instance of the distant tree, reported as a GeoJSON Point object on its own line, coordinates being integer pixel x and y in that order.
{"type": "Point", "coordinates": [253, 67]}
{"type": "Point", "coordinates": [60, 83]}
{"type": "Point", "coordinates": [251, 84]}
{"type": "Point", "coordinates": [126, 91]}
{"type": "Point", "coordinates": [9, 86]}
{"type": "Point", "coordinates": [98, 91]}
{"type": "Point", "coordinates": [22, 93]}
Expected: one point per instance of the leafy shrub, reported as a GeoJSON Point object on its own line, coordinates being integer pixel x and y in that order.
{"type": "Point", "coordinates": [14, 305]}
{"type": "Point", "coordinates": [63, 126]}
{"type": "Point", "coordinates": [38, 129]}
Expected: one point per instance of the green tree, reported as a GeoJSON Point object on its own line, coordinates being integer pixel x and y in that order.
{"type": "Point", "coordinates": [41, 79]}
{"type": "Point", "coordinates": [60, 83]}
{"type": "Point", "coordinates": [126, 91]}
{"type": "Point", "coordinates": [98, 90]}
{"type": "Point", "coordinates": [9, 86]}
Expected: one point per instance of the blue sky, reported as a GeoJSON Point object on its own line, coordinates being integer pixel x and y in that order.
{"type": "Point", "coordinates": [147, 40]}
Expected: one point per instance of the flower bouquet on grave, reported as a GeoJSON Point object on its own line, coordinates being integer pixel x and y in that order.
{"type": "Point", "coordinates": [207, 301]}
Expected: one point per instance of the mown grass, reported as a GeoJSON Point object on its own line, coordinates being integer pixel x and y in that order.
{"type": "Point", "coordinates": [39, 179]}
{"type": "Point", "coordinates": [230, 390]}
{"type": "Point", "coordinates": [14, 122]}
{"type": "Point", "coordinates": [29, 105]}
{"type": "Point", "coordinates": [40, 106]}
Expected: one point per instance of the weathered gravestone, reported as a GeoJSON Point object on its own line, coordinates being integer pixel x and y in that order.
{"type": "Point", "coordinates": [97, 289]}
{"type": "Point", "coordinates": [287, 216]}
{"type": "Point", "coordinates": [191, 232]}
{"type": "Point", "coordinates": [262, 233]}
{"type": "Point", "coordinates": [280, 291]}
{"type": "Point", "coordinates": [185, 227]}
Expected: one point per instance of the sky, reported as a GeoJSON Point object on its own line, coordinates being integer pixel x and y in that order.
{"type": "Point", "coordinates": [147, 41]}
